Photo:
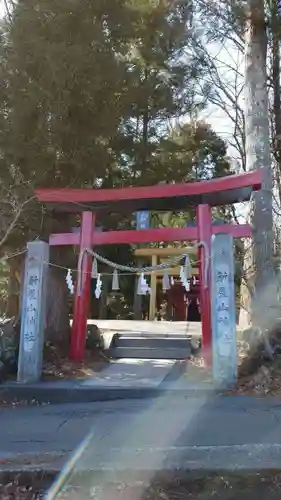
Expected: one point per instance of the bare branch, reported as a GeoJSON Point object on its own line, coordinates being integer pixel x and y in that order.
{"type": "Point", "coordinates": [7, 9]}
{"type": "Point", "coordinates": [14, 222]}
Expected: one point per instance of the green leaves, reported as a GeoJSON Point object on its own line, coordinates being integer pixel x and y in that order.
{"type": "Point", "coordinates": [193, 151]}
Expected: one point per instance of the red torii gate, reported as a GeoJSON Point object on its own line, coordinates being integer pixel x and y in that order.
{"type": "Point", "coordinates": [163, 197]}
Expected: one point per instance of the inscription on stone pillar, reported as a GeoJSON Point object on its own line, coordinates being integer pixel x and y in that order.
{"type": "Point", "coordinates": [223, 314]}
{"type": "Point", "coordinates": [33, 312]}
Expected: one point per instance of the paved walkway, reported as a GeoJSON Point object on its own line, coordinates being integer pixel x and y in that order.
{"type": "Point", "coordinates": [165, 432]}
{"type": "Point", "coordinates": [134, 373]}
{"type": "Point", "coordinates": [122, 379]}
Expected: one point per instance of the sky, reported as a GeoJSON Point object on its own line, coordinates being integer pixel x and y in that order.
{"type": "Point", "coordinates": [2, 7]}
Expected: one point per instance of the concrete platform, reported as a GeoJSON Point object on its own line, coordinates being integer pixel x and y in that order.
{"type": "Point", "coordinates": [120, 379]}
{"type": "Point", "coordinates": [134, 373]}
{"type": "Point", "coordinates": [148, 354]}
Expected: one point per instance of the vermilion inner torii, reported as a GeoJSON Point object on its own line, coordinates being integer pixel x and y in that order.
{"type": "Point", "coordinates": [204, 195]}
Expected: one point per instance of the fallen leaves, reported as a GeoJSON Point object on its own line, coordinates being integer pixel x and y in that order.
{"type": "Point", "coordinates": [22, 402]}
{"type": "Point", "coordinates": [12, 491]}
{"type": "Point", "coordinates": [24, 486]}
{"type": "Point", "coordinates": [266, 381]}
{"type": "Point", "coordinates": [180, 486]}
{"type": "Point", "coordinates": [57, 365]}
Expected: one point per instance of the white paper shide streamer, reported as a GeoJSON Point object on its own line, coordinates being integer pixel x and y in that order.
{"type": "Point", "coordinates": [166, 282]}
{"type": "Point", "coordinates": [94, 273]}
{"type": "Point", "coordinates": [143, 287]}
{"type": "Point", "coordinates": [186, 273]}
{"type": "Point", "coordinates": [115, 281]}
{"type": "Point", "coordinates": [98, 287]}
{"type": "Point", "coordinates": [69, 282]}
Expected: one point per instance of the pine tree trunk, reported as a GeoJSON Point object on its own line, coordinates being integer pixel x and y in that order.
{"type": "Point", "coordinates": [276, 118]}
{"type": "Point", "coordinates": [264, 305]}
{"type": "Point", "coordinates": [57, 319]}
{"type": "Point", "coordinates": [245, 288]}
{"type": "Point", "coordinates": [12, 306]}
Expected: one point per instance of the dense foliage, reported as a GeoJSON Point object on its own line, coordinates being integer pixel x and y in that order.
{"type": "Point", "coordinates": [98, 94]}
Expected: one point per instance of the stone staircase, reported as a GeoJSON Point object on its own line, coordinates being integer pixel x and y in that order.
{"type": "Point", "coordinates": [139, 345]}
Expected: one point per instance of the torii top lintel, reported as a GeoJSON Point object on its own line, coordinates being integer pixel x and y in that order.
{"type": "Point", "coordinates": [220, 191]}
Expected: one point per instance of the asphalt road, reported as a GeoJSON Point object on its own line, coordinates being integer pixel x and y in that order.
{"type": "Point", "coordinates": [168, 430]}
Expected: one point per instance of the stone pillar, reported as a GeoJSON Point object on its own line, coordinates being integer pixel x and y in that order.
{"type": "Point", "coordinates": [224, 348]}
{"type": "Point", "coordinates": [33, 312]}
{"type": "Point", "coordinates": [204, 221]}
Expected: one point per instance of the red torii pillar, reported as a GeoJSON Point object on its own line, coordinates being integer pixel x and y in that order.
{"type": "Point", "coordinates": [82, 301]}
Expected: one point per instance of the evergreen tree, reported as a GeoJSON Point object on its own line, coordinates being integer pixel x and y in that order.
{"type": "Point", "coordinates": [193, 151]}
{"type": "Point", "coordinates": [88, 89]}
{"type": "Point", "coordinates": [164, 86]}
{"type": "Point", "coordinates": [88, 94]}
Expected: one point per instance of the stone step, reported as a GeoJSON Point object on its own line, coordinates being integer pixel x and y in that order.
{"type": "Point", "coordinates": [148, 353]}
{"type": "Point", "coordinates": [147, 335]}
{"type": "Point", "coordinates": [150, 342]}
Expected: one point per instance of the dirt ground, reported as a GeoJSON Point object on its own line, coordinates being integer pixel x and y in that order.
{"type": "Point", "coordinates": [24, 486]}
{"type": "Point", "coordinates": [170, 486]}
{"type": "Point", "coordinates": [57, 366]}
{"type": "Point", "coordinates": [265, 382]}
